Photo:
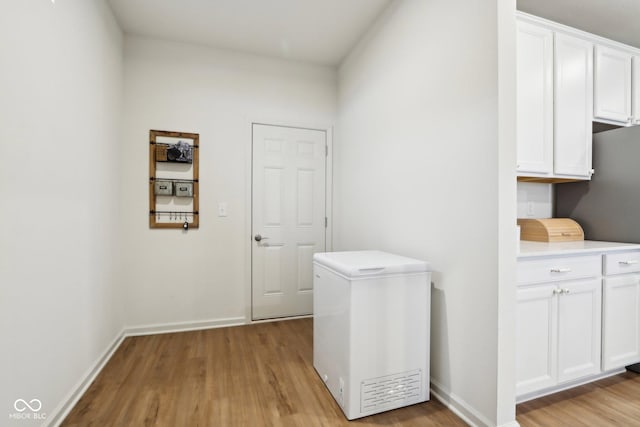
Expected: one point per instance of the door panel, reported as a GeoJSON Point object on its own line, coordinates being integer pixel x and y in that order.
{"type": "Point", "coordinates": [273, 196]}
{"type": "Point", "coordinates": [305, 267]}
{"type": "Point", "coordinates": [612, 88]}
{"type": "Point", "coordinates": [621, 322]}
{"type": "Point", "coordinates": [535, 99]}
{"type": "Point", "coordinates": [272, 270]}
{"type": "Point", "coordinates": [305, 183]}
{"type": "Point", "coordinates": [573, 106]}
{"type": "Point", "coordinates": [536, 329]}
{"type": "Point", "coordinates": [579, 329]}
{"type": "Point", "coordinates": [288, 213]}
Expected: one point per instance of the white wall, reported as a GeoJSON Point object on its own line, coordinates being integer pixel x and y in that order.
{"type": "Point", "coordinates": [60, 106]}
{"type": "Point", "coordinates": [535, 200]}
{"type": "Point", "coordinates": [418, 172]}
{"type": "Point", "coordinates": [200, 276]}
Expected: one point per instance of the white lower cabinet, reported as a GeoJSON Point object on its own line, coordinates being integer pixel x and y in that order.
{"type": "Point", "coordinates": [536, 332]}
{"type": "Point", "coordinates": [558, 333]}
{"type": "Point", "coordinates": [621, 321]}
{"type": "Point", "coordinates": [579, 329]}
{"type": "Point", "coordinates": [577, 316]}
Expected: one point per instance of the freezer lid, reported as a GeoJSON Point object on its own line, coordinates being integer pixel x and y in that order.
{"type": "Point", "coordinates": [369, 263]}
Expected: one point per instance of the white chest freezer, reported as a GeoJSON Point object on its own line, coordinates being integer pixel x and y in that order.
{"type": "Point", "coordinates": [371, 329]}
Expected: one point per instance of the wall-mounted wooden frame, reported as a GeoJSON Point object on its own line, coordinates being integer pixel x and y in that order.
{"type": "Point", "coordinates": [174, 162]}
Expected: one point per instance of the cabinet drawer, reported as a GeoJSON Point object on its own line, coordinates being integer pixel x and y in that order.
{"type": "Point", "coordinates": [622, 262]}
{"type": "Point", "coordinates": [554, 269]}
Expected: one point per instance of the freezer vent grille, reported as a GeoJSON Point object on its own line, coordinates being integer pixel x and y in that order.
{"type": "Point", "coordinates": [391, 391]}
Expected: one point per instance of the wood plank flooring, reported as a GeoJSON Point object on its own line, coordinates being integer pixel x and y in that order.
{"type": "Point", "coordinates": [262, 375]}
{"type": "Point", "coordinates": [254, 375]}
{"type": "Point", "coordinates": [613, 401]}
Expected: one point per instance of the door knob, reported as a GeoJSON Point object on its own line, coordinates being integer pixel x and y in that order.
{"type": "Point", "coordinates": [258, 237]}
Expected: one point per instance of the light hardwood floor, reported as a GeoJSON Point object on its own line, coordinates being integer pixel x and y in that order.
{"type": "Point", "coordinates": [613, 401]}
{"type": "Point", "coordinates": [262, 375]}
{"type": "Point", "coordinates": [255, 375]}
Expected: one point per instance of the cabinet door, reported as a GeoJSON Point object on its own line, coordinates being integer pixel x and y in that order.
{"type": "Point", "coordinates": [579, 329]}
{"type": "Point", "coordinates": [621, 321]}
{"type": "Point", "coordinates": [536, 338]}
{"type": "Point", "coordinates": [534, 99]}
{"type": "Point", "coordinates": [612, 87]}
{"type": "Point", "coordinates": [636, 90]}
{"type": "Point", "coordinates": [573, 106]}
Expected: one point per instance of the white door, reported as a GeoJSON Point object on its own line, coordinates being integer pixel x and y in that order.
{"type": "Point", "coordinates": [536, 332]}
{"type": "Point", "coordinates": [535, 99]}
{"type": "Point", "coordinates": [612, 88]}
{"type": "Point", "coordinates": [573, 106]}
{"type": "Point", "coordinates": [579, 329]}
{"type": "Point", "coordinates": [288, 218]}
{"type": "Point", "coordinates": [621, 321]}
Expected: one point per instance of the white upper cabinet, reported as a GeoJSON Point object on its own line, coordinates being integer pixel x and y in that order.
{"type": "Point", "coordinates": [636, 89]}
{"type": "Point", "coordinates": [612, 85]}
{"type": "Point", "coordinates": [565, 80]}
{"type": "Point", "coordinates": [534, 99]}
{"type": "Point", "coordinates": [573, 106]}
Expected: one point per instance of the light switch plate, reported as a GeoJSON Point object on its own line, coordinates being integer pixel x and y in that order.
{"type": "Point", "coordinates": [531, 209]}
{"type": "Point", "coordinates": [222, 209]}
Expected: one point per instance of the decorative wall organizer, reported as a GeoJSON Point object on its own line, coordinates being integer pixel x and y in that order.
{"type": "Point", "coordinates": [173, 179]}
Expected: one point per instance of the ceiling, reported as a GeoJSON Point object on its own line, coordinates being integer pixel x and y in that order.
{"type": "Point", "coordinates": [318, 31]}
{"type": "Point", "coordinates": [614, 19]}
{"type": "Point", "coordinates": [324, 31]}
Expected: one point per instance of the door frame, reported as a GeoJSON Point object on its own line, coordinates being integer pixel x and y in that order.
{"type": "Point", "coordinates": [248, 236]}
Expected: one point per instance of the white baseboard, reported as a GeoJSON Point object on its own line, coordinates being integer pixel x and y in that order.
{"type": "Point", "coordinates": [56, 416]}
{"type": "Point", "coordinates": [462, 409]}
{"type": "Point", "coordinates": [167, 328]}
{"type": "Point", "coordinates": [281, 319]}
{"type": "Point", "coordinates": [536, 394]}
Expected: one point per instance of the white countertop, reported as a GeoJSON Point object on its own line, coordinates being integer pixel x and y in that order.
{"type": "Point", "coordinates": [530, 249]}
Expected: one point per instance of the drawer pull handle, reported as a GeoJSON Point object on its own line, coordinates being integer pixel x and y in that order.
{"type": "Point", "coordinates": [560, 270]}
{"type": "Point", "coordinates": [557, 291]}
{"type": "Point", "coordinates": [565, 291]}
{"type": "Point", "coordinates": [633, 261]}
